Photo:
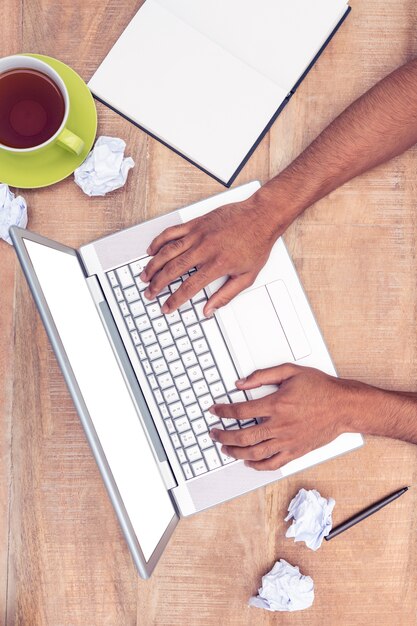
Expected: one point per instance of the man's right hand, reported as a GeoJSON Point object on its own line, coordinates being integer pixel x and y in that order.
{"type": "Point", "coordinates": [234, 240]}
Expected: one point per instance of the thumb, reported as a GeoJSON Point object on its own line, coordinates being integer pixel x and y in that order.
{"type": "Point", "coordinates": [268, 376]}
{"type": "Point", "coordinates": [227, 292]}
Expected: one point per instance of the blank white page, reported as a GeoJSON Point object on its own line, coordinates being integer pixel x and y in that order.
{"type": "Point", "coordinates": [278, 38]}
{"type": "Point", "coordinates": [187, 90]}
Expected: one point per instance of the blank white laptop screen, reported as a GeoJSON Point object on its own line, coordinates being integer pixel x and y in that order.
{"type": "Point", "coordinates": [208, 76]}
{"type": "Point", "coordinates": [105, 393]}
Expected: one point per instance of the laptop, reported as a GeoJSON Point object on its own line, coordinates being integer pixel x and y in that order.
{"type": "Point", "coordinates": [142, 382]}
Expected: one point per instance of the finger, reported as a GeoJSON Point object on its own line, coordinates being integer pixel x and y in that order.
{"type": "Point", "coordinates": [243, 410]}
{"type": "Point", "coordinates": [243, 437]}
{"type": "Point", "coordinates": [273, 463]}
{"type": "Point", "coordinates": [258, 452]}
{"type": "Point", "coordinates": [230, 289]}
{"type": "Point", "coordinates": [169, 272]}
{"type": "Point", "coordinates": [197, 281]}
{"type": "Point", "coordinates": [173, 249]}
{"type": "Point", "coordinates": [169, 234]}
{"type": "Point", "coordinates": [268, 376]}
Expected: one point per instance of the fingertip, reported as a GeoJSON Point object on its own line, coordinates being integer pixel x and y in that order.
{"type": "Point", "coordinates": [241, 382]}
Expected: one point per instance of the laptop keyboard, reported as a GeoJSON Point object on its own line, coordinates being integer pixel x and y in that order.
{"type": "Point", "coordinates": [187, 364]}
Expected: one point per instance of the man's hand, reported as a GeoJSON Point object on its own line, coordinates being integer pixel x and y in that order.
{"type": "Point", "coordinates": [234, 240]}
{"type": "Point", "coordinates": [309, 409]}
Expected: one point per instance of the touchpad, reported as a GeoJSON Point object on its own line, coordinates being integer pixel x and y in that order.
{"type": "Point", "coordinates": [270, 325]}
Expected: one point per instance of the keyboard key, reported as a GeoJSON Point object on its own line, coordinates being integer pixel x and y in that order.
{"type": "Point", "coordinates": [188, 438]}
{"type": "Point", "coordinates": [175, 286]}
{"type": "Point", "coordinates": [163, 298]}
{"type": "Point", "coordinates": [178, 330]}
{"type": "Point", "coordinates": [165, 339]}
{"type": "Point", "coordinates": [160, 325]}
{"type": "Point", "coordinates": [159, 366]}
{"type": "Point", "coordinates": [130, 323]}
{"type": "Point", "coordinates": [195, 373]}
{"type": "Point", "coordinates": [200, 388]}
{"type": "Point", "coordinates": [165, 381]}
{"type": "Point", "coordinates": [171, 353]}
{"type": "Point", "coordinates": [193, 453]}
{"type": "Point", "coordinates": [140, 284]}
{"type": "Point", "coordinates": [199, 426]}
{"type": "Point", "coordinates": [137, 308]}
{"type": "Point", "coordinates": [176, 409]}
{"type": "Point", "coordinates": [193, 411]}
{"type": "Point", "coordinates": [212, 458]}
{"type": "Point", "coordinates": [131, 294]}
{"type": "Point", "coordinates": [218, 347]}
{"type": "Point", "coordinates": [154, 351]}
{"type": "Point", "coordinates": [118, 293]}
{"type": "Point", "coordinates": [153, 310]}
{"type": "Point", "coordinates": [182, 383]}
{"type": "Point", "coordinates": [181, 455]}
{"type": "Point", "coordinates": [199, 467]}
{"type": "Point", "coordinates": [204, 441]}
{"type": "Point", "coordinates": [173, 318]}
{"type": "Point", "coordinates": [189, 358]}
{"type": "Point", "coordinates": [147, 367]}
{"type": "Point", "coordinates": [170, 426]}
{"type": "Point", "coordinates": [211, 419]}
{"type": "Point", "coordinates": [112, 278]}
{"type": "Point", "coordinates": [184, 344]}
{"type": "Point", "coordinates": [152, 381]}
{"type": "Point", "coordinates": [199, 306]}
{"type": "Point", "coordinates": [206, 360]}
{"type": "Point", "coordinates": [175, 440]}
{"type": "Point", "coordinates": [224, 457]}
{"type": "Point", "coordinates": [135, 336]}
{"type": "Point", "coordinates": [200, 346]}
{"type": "Point", "coordinates": [136, 267]}
{"type": "Point", "coordinates": [189, 317]}
{"type": "Point", "coordinates": [201, 295]}
{"type": "Point", "coordinates": [187, 471]}
{"type": "Point", "coordinates": [164, 410]}
{"type": "Point", "coordinates": [217, 389]}
{"type": "Point", "coordinates": [171, 395]}
{"type": "Point", "coordinates": [125, 277]}
{"type": "Point", "coordinates": [176, 368]}
{"type": "Point", "coordinates": [206, 402]}
{"type": "Point", "coordinates": [227, 423]}
{"type": "Point", "coordinates": [211, 374]}
{"type": "Point", "coordinates": [148, 337]}
{"type": "Point", "coordinates": [142, 323]}
{"type": "Point", "coordinates": [158, 396]}
{"type": "Point", "coordinates": [141, 352]}
{"type": "Point", "coordinates": [237, 396]}
{"type": "Point", "coordinates": [187, 396]}
{"type": "Point", "coordinates": [182, 424]}
{"type": "Point", "coordinates": [124, 308]}
{"type": "Point", "coordinates": [187, 305]}
{"type": "Point", "coordinates": [145, 299]}
{"type": "Point", "coordinates": [195, 332]}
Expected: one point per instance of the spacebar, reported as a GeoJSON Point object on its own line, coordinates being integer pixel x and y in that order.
{"type": "Point", "coordinates": [221, 353]}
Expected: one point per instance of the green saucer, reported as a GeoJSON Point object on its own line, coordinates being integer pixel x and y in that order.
{"type": "Point", "coordinates": [52, 163]}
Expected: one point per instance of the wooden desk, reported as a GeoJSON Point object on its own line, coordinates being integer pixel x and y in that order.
{"type": "Point", "coordinates": [63, 561]}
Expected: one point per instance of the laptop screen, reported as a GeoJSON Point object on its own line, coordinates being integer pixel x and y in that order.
{"type": "Point", "coordinates": [104, 392]}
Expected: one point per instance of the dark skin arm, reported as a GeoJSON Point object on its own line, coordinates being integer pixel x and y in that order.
{"type": "Point", "coordinates": [310, 408]}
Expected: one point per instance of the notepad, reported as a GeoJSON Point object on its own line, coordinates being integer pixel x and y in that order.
{"type": "Point", "coordinates": [208, 77]}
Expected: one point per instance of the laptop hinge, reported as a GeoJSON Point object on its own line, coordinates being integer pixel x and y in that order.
{"type": "Point", "coordinates": [131, 381]}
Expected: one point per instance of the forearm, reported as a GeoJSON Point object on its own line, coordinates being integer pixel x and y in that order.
{"type": "Point", "coordinates": [378, 126]}
{"type": "Point", "coordinates": [375, 411]}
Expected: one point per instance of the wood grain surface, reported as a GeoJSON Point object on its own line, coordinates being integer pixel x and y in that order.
{"type": "Point", "coordinates": [63, 561]}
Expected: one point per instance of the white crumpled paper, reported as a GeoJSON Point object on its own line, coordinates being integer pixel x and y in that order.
{"type": "Point", "coordinates": [105, 169]}
{"type": "Point", "coordinates": [284, 588]}
{"type": "Point", "coordinates": [13, 212]}
{"type": "Point", "coordinates": [312, 517]}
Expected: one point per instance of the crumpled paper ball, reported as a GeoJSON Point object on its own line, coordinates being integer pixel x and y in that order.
{"type": "Point", "coordinates": [312, 517]}
{"type": "Point", "coordinates": [105, 169]}
{"type": "Point", "coordinates": [13, 212]}
{"type": "Point", "coordinates": [284, 588]}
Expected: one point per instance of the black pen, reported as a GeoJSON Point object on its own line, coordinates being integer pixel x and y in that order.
{"type": "Point", "coordinates": [365, 513]}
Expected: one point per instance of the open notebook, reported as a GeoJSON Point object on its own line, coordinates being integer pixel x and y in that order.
{"type": "Point", "coordinates": [208, 77]}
